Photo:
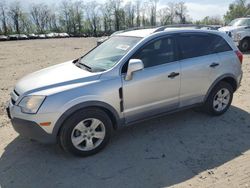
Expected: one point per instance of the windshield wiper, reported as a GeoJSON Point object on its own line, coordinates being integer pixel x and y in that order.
{"type": "Point", "coordinates": [86, 66]}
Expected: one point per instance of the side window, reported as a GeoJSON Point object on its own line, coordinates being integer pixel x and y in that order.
{"type": "Point", "coordinates": [194, 45]}
{"type": "Point", "coordinates": [220, 45]}
{"type": "Point", "coordinates": [157, 52]}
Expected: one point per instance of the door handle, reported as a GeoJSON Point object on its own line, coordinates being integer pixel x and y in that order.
{"type": "Point", "coordinates": [213, 65]}
{"type": "Point", "coordinates": [173, 74]}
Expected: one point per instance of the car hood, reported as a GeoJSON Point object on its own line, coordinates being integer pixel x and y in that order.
{"type": "Point", "coordinates": [231, 28]}
{"type": "Point", "coordinates": [63, 74]}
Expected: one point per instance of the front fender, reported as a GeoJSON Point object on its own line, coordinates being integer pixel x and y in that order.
{"type": "Point", "coordinates": [243, 35]}
{"type": "Point", "coordinates": [78, 106]}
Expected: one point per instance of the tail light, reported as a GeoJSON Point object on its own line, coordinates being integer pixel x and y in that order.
{"type": "Point", "coordinates": [239, 55]}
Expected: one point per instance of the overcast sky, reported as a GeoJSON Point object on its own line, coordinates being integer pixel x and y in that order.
{"type": "Point", "coordinates": [197, 9]}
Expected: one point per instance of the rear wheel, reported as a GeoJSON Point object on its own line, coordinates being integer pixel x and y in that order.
{"type": "Point", "coordinates": [219, 99]}
{"type": "Point", "coordinates": [86, 132]}
{"type": "Point", "coordinates": [244, 45]}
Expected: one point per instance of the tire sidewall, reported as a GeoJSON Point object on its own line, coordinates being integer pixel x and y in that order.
{"type": "Point", "coordinates": [73, 120]}
{"type": "Point", "coordinates": [209, 103]}
{"type": "Point", "coordinates": [241, 46]}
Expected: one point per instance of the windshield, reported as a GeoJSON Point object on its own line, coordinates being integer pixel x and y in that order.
{"type": "Point", "coordinates": [240, 22]}
{"type": "Point", "coordinates": [106, 55]}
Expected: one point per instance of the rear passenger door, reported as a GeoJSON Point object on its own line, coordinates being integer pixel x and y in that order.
{"type": "Point", "coordinates": [227, 58]}
{"type": "Point", "coordinates": [197, 60]}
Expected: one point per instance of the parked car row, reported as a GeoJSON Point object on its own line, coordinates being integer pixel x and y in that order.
{"type": "Point", "coordinates": [33, 36]}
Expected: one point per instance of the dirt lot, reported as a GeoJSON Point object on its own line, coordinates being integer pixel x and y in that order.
{"type": "Point", "coordinates": [187, 149]}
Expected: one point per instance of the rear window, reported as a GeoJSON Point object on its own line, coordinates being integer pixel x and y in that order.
{"type": "Point", "coordinates": [195, 45]}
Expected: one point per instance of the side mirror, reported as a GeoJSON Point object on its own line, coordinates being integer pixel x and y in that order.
{"type": "Point", "coordinates": [133, 66]}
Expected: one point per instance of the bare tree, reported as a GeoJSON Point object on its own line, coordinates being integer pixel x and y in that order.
{"type": "Point", "coordinates": [138, 17]}
{"type": "Point", "coordinates": [25, 23]}
{"type": "Point", "coordinates": [15, 12]}
{"type": "Point", "coordinates": [78, 11]}
{"type": "Point", "coordinates": [171, 7]}
{"type": "Point", "coordinates": [71, 16]}
{"type": "Point", "coordinates": [92, 11]}
{"type": "Point", "coordinates": [53, 22]}
{"type": "Point", "coordinates": [144, 10]}
{"type": "Point", "coordinates": [167, 14]}
{"type": "Point", "coordinates": [116, 9]}
{"type": "Point", "coordinates": [153, 9]}
{"type": "Point", "coordinates": [106, 10]}
{"type": "Point", "coordinates": [40, 13]}
{"type": "Point", "coordinates": [3, 17]}
{"type": "Point", "coordinates": [181, 12]}
{"type": "Point", "coordinates": [164, 16]}
{"type": "Point", "coordinates": [65, 15]}
{"type": "Point", "coordinates": [129, 10]}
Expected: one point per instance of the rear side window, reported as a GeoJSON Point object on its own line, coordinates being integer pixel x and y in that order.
{"type": "Point", "coordinates": [196, 45]}
{"type": "Point", "coordinates": [220, 45]}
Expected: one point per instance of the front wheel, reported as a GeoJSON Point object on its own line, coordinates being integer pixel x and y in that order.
{"type": "Point", "coordinates": [244, 45]}
{"type": "Point", "coordinates": [86, 132]}
{"type": "Point", "coordinates": [219, 99]}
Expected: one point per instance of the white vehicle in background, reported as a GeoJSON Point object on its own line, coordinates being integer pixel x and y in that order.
{"type": "Point", "coordinates": [239, 30]}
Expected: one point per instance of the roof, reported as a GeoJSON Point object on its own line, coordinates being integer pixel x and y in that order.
{"type": "Point", "coordinates": [147, 32]}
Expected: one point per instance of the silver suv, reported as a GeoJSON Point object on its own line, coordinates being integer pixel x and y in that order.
{"type": "Point", "coordinates": [132, 76]}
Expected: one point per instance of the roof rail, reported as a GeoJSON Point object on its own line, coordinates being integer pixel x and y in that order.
{"type": "Point", "coordinates": [162, 28]}
{"type": "Point", "coordinates": [137, 28]}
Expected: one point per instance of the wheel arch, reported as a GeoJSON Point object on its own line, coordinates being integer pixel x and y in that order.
{"type": "Point", "coordinates": [116, 120]}
{"type": "Point", "coordinates": [228, 78]}
{"type": "Point", "coordinates": [246, 37]}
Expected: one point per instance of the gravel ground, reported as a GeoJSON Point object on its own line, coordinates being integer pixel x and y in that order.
{"type": "Point", "coordinates": [186, 149]}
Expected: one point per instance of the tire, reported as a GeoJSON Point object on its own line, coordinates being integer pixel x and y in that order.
{"type": "Point", "coordinates": [86, 132]}
{"type": "Point", "coordinates": [244, 45]}
{"type": "Point", "coordinates": [219, 99]}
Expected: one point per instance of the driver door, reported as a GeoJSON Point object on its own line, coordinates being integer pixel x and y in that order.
{"type": "Point", "coordinates": [156, 88]}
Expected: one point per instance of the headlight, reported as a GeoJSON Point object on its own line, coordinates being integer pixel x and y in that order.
{"type": "Point", "coordinates": [237, 37]}
{"type": "Point", "coordinates": [31, 104]}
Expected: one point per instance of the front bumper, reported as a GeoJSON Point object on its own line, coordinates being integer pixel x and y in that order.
{"type": "Point", "coordinates": [30, 129]}
{"type": "Point", "coordinates": [237, 43]}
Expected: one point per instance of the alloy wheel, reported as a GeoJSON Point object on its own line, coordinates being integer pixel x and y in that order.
{"type": "Point", "coordinates": [88, 134]}
{"type": "Point", "coordinates": [221, 100]}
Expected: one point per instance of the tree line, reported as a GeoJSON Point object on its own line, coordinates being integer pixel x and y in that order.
{"type": "Point", "coordinates": [77, 17]}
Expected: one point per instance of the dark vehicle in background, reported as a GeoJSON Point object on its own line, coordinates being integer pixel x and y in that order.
{"type": "Point", "coordinates": [13, 37]}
